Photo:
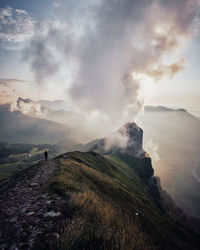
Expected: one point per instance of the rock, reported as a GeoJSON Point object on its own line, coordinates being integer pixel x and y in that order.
{"type": "Point", "coordinates": [23, 210]}
{"type": "Point", "coordinates": [56, 235]}
{"type": "Point", "coordinates": [23, 235]}
{"type": "Point", "coordinates": [19, 231]}
{"type": "Point", "coordinates": [134, 138]}
{"type": "Point", "coordinates": [36, 220]}
{"type": "Point", "coordinates": [46, 225]}
{"type": "Point", "coordinates": [25, 207]}
{"type": "Point", "coordinates": [52, 214]}
{"type": "Point", "coordinates": [24, 245]}
{"type": "Point", "coordinates": [30, 213]}
{"type": "Point", "coordinates": [3, 246]}
{"type": "Point", "coordinates": [14, 219]}
{"type": "Point", "coordinates": [29, 229]}
{"type": "Point", "coordinates": [127, 140]}
{"type": "Point", "coordinates": [13, 247]}
{"type": "Point", "coordinates": [44, 196]}
{"type": "Point", "coordinates": [34, 184]}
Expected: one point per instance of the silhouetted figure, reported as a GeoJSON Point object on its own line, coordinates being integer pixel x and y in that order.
{"type": "Point", "coordinates": [45, 155]}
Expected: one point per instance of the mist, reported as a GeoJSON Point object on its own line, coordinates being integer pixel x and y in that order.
{"type": "Point", "coordinates": [105, 56]}
{"type": "Point", "coordinates": [171, 137]}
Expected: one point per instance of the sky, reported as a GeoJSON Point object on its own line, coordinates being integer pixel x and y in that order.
{"type": "Point", "coordinates": [106, 59]}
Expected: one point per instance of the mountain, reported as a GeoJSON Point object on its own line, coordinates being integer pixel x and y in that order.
{"type": "Point", "coordinates": [125, 143]}
{"type": "Point", "coordinates": [87, 200]}
{"type": "Point", "coordinates": [19, 128]}
{"type": "Point", "coordinates": [126, 140]}
{"type": "Point", "coordinates": [18, 156]}
{"type": "Point", "coordinates": [69, 144]}
{"type": "Point", "coordinates": [172, 137]}
{"type": "Point", "coordinates": [162, 109]}
{"type": "Point", "coordinates": [60, 115]}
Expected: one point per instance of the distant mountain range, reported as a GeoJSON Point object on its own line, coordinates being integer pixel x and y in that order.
{"type": "Point", "coordinates": [19, 128]}
{"type": "Point", "coordinates": [161, 109]}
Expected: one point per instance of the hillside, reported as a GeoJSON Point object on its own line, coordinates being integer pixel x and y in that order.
{"type": "Point", "coordinates": [85, 201]}
{"type": "Point", "coordinates": [16, 157]}
{"type": "Point", "coordinates": [19, 128]}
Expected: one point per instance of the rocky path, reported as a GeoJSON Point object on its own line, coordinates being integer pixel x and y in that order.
{"type": "Point", "coordinates": [28, 214]}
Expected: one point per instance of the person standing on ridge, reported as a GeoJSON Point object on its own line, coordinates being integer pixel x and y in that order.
{"type": "Point", "coordinates": [45, 155]}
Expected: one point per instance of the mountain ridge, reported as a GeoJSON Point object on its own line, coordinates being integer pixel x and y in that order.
{"type": "Point", "coordinates": [85, 188]}
{"type": "Point", "coordinates": [88, 200]}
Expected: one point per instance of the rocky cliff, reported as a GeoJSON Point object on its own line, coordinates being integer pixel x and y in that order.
{"type": "Point", "coordinates": [127, 140]}
{"type": "Point", "coordinates": [126, 143]}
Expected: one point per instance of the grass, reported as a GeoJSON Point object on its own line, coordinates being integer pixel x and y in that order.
{"type": "Point", "coordinates": [105, 195]}
{"type": "Point", "coordinates": [99, 225]}
{"type": "Point", "coordinates": [16, 157]}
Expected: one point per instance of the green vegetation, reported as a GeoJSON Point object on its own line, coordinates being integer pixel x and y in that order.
{"type": "Point", "coordinates": [106, 195]}
{"type": "Point", "coordinates": [16, 157]}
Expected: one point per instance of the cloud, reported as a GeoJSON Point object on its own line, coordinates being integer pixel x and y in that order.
{"type": "Point", "coordinates": [56, 4]}
{"type": "Point", "coordinates": [166, 70]}
{"type": "Point", "coordinates": [28, 107]}
{"type": "Point", "coordinates": [152, 148]}
{"type": "Point", "coordinates": [7, 94]}
{"type": "Point", "coordinates": [109, 50]}
{"type": "Point", "coordinates": [8, 81]}
{"type": "Point", "coordinates": [16, 25]}
{"type": "Point", "coordinates": [11, 88]}
{"type": "Point", "coordinates": [40, 52]}
{"type": "Point", "coordinates": [119, 139]}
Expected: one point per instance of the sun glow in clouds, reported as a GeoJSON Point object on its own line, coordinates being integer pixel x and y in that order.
{"type": "Point", "coordinates": [104, 57]}
{"type": "Point", "coordinates": [147, 86]}
{"type": "Point", "coordinates": [161, 30]}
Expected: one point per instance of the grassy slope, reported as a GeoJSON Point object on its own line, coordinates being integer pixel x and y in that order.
{"type": "Point", "coordinates": [105, 195]}
{"type": "Point", "coordinates": [16, 157]}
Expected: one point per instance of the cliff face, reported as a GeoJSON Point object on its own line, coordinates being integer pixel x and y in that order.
{"type": "Point", "coordinates": [127, 140]}
{"type": "Point", "coordinates": [134, 135]}
{"type": "Point", "coordinates": [126, 143]}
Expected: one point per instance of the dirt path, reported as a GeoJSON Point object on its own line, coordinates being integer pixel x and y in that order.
{"type": "Point", "coordinates": [27, 212]}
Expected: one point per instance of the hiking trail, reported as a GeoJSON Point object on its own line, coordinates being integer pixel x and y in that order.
{"type": "Point", "coordinates": [27, 212]}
